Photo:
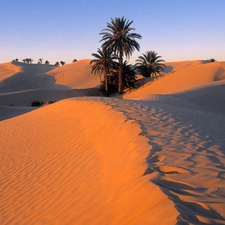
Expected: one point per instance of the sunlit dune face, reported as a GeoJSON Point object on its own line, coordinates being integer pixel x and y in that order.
{"type": "Point", "coordinates": [182, 76]}
{"type": "Point", "coordinates": [75, 75]}
{"type": "Point", "coordinates": [8, 70]}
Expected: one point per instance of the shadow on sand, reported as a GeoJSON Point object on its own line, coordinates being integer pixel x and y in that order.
{"type": "Point", "coordinates": [32, 76]}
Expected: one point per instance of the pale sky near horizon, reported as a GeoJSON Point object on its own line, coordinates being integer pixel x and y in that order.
{"type": "Point", "coordinates": [66, 30]}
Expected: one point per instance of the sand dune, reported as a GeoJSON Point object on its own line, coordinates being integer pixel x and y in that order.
{"type": "Point", "coordinates": [76, 75]}
{"type": "Point", "coordinates": [7, 70]}
{"type": "Point", "coordinates": [78, 170]}
{"type": "Point", "coordinates": [181, 78]}
{"type": "Point", "coordinates": [21, 84]}
{"type": "Point", "coordinates": [154, 157]}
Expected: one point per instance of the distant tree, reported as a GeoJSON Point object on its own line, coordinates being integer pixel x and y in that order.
{"type": "Point", "coordinates": [40, 61]}
{"type": "Point", "coordinates": [57, 64]}
{"type": "Point", "coordinates": [118, 39]}
{"type": "Point", "coordinates": [46, 62]}
{"type": "Point", "coordinates": [16, 60]}
{"type": "Point", "coordinates": [212, 60]}
{"type": "Point", "coordinates": [62, 63]}
{"type": "Point", "coordinates": [24, 60]}
{"type": "Point", "coordinates": [75, 60]}
{"type": "Point", "coordinates": [149, 64]}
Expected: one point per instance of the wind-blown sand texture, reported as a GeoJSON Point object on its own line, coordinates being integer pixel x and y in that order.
{"type": "Point", "coordinates": [157, 156]}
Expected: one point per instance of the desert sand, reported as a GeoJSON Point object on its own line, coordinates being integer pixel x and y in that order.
{"type": "Point", "coordinates": [154, 156]}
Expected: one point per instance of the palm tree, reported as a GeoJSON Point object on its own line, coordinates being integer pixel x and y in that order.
{"type": "Point", "coordinates": [62, 63]}
{"type": "Point", "coordinates": [101, 64]}
{"type": "Point", "coordinates": [47, 62]}
{"type": "Point", "coordinates": [119, 40]}
{"type": "Point", "coordinates": [129, 76]}
{"type": "Point", "coordinates": [149, 64]}
{"type": "Point", "coordinates": [40, 61]}
{"type": "Point", "coordinates": [57, 64]}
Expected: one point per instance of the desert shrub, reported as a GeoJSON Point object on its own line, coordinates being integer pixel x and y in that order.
{"type": "Point", "coordinates": [36, 103]}
{"type": "Point", "coordinates": [212, 60]}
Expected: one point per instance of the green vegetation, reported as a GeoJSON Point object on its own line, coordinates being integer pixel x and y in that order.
{"type": "Point", "coordinates": [149, 64]}
{"type": "Point", "coordinates": [36, 103]}
{"type": "Point", "coordinates": [57, 64]}
{"type": "Point", "coordinates": [40, 61]}
{"type": "Point", "coordinates": [62, 63]}
{"type": "Point", "coordinates": [104, 63]}
{"type": "Point", "coordinates": [119, 41]}
{"type": "Point", "coordinates": [27, 60]}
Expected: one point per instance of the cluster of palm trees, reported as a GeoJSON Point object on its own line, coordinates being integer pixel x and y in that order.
{"type": "Point", "coordinates": [40, 61]}
{"type": "Point", "coordinates": [119, 41]}
{"type": "Point", "coordinates": [28, 60]}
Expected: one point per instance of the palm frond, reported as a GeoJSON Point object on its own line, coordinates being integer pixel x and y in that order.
{"type": "Point", "coordinates": [150, 64]}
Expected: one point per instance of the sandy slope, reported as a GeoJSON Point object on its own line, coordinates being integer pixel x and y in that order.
{"type": "Point", "coordinates": [76, 75]}
{"type": "Point", "coordinates": [155, 157]}
{"type": "Point", "coordinates": [186, 76]}
{"type": "Point", "coordinates": [77, 162]}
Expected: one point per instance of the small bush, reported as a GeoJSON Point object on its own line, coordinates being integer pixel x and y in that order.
{"type": "Point", "coordinates": [36, 103]}
{"type": "Point", "coordinates": [212, 60]}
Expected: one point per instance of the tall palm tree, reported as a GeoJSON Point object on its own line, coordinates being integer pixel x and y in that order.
{"type": "Point", "coordinates": [118, 39]}
{"type": "Point", "coordinates": [101, 64]}
{"type": "Point", "coordinates": [149, 64]}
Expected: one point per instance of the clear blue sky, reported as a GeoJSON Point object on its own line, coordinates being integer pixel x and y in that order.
{"type": "Point", "coordinates": [69, 29]}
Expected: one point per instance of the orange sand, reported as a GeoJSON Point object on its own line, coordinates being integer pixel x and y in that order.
{"type": "Point", "coordinates": [154, 157]}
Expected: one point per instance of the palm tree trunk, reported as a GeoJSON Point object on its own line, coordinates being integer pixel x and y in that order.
{"type": "Point", "coordinates": [106, 69]}
{"type": "Point", "coordinates": [106, 84]}
{"type": "Point", "coordinates": [120, 81]}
